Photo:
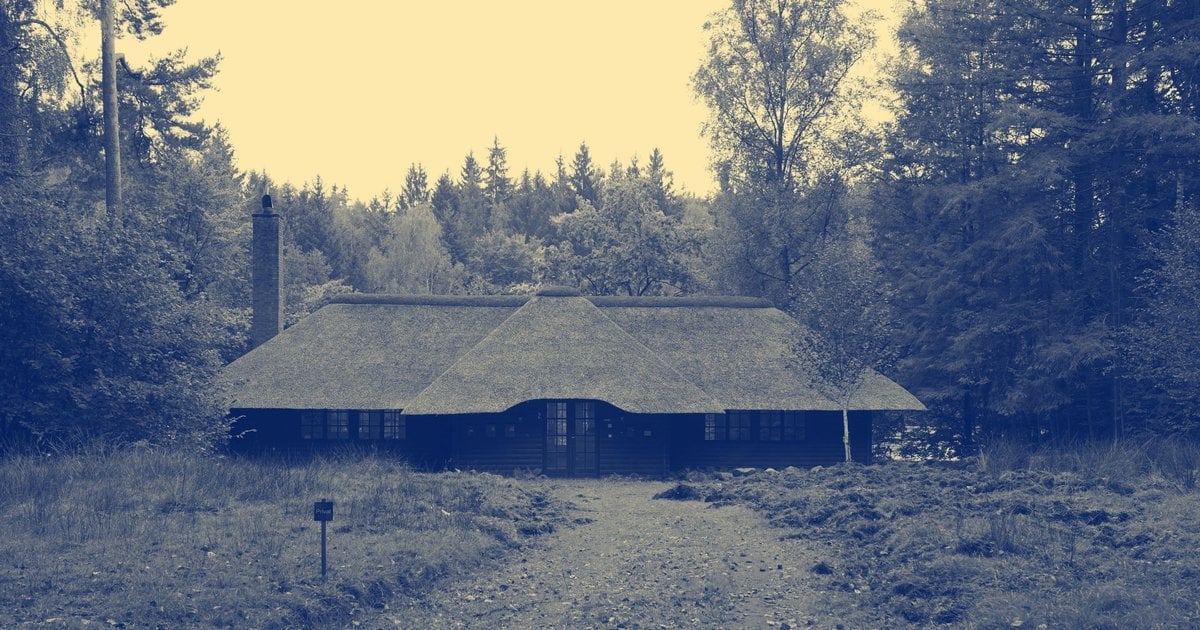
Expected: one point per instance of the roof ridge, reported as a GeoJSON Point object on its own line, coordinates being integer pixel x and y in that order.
{"type": "Point", "coordinates": [722, 301]}
{"type": "Point", "coordinates": [430, 300]}
{"type": "Point", "coordinates": [603, 301]}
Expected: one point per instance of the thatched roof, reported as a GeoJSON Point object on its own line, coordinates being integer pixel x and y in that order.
{"type": "Point", "coordinates": [359, 356]}
{"type": "Point", "coordinates": [453, 354]}
{"type": "Point", "coordinates": [560, 347]}
{"type": "Point", "coordinates": [742, 356]}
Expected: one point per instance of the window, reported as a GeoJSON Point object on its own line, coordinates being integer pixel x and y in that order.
{"type": "Point", "coordinates": [370, 425]}
{"type": "Point", "coordinates": [312, 425]}
{"type": "Point", "coordinates": [764, 426]}
{"type": "Point", "coordinates": [337, 425]}
{"type": "Point", "coordinates": [556, 437]}
{"type": "Point", "coordinates": [556, 424]}
{"type": "Point", "coordinates": [770, 426]}
{"type": "Point", "coordinates": [739, 425]}
{"type": "Point", "coordinates": [394, 426]}
{"type": "Point", "coordinates": [714, 427]}
{"type": "Point", "coordinates": [325, 424]}
{"type": "Point", "coordinates": [793, 426]}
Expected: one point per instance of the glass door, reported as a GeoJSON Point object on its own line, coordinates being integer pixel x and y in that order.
{"type": "Point", "coordinates": [570, 438]}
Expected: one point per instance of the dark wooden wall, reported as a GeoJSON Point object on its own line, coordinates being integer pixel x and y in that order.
{"type": "Point", "coordinates": [632, 444]}
{"type": "Point", "coordinates": [498, 443]}
{"type": "Point", "coordinates": [426, 443]}
{"type": "Point", "coordinates": [821, 446]}
{"type": "Point", "coordinates": [625, 443]}
{"type": "Point", "coordinates": [504, 443]}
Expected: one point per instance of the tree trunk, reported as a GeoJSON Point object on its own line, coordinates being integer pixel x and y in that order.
{"type": "Point", "coordinates": [846, 432]}
{"type": "Point", "coordinates": [12, 133]}
{"type": "Point", "coordinates": [112, 128]}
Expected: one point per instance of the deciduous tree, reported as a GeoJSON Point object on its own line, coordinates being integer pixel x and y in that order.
{"type": "Point", "coordinates": [775, 82]}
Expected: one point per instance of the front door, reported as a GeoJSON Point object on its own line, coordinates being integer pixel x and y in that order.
{"type": "Point", "coordinates": [570, 438]}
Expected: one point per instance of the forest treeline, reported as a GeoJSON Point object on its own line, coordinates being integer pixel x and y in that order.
{"type": "Point", "coordinates": [1019, 246]}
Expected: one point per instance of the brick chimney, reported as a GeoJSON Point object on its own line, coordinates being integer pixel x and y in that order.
{"type": "Point", "coordinates": [266, 276]}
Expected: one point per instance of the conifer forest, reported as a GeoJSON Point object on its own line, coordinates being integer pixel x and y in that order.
{"type": "Point", "coordinates": [1017, 243]}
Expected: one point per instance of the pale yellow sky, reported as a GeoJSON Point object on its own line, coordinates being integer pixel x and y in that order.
{"type": "Point", "coordinates": [356, 91]}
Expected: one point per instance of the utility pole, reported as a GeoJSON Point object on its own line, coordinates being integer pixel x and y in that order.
{"type": "Point", "coordinates": [112, 127]}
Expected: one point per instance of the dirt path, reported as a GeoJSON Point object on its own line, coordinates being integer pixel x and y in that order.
{"type": "Point", "coordinates": [638, 563]}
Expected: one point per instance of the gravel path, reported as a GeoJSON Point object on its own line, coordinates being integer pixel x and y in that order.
{"type": "Point", "coordinates": [635, 562]}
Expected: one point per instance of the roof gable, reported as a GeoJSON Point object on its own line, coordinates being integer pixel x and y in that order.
{"type": "Point", "coordinates": [560, 347]}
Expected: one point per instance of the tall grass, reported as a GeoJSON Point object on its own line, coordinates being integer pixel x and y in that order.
{"type": "Point", "coordinates": [148, 536]}
{"type": "Point", "coordinates": [1177, 461]}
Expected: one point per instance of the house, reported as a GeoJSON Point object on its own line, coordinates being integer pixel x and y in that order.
{"type": "Point", "coordinates": [556, 382]}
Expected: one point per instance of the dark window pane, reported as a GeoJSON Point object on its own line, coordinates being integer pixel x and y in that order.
{"type": "Point", "coordinates": [369, 425]}
{"type": "Point", "coordinates": [394, 425]}
{"type": "Point", "coordinates": [770, 426]}
{"type": "Point", "coordinates": [312, 425]}
{"type": "Point", "coordinates": [337, 425]}
{"type": "Point", "coordinates": [739, 425]}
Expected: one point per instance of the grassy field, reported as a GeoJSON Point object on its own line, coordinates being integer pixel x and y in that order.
{"type": "Point", "coordinates": [1099, 537]}
{"type": "Point", "coordinates": [147, 538]}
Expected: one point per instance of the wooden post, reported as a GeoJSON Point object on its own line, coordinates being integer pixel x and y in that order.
{"type": "Point", "coordinates": [846, 431]}
{"type": "Point", "coordinates": [323, 550]}
{"type": "Point", "coordinates": [323, 512]}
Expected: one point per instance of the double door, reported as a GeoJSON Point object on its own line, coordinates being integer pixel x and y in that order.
{"type": "Point", "coordinates": [570, 438]}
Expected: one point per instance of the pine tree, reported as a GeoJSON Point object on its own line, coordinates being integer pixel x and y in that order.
{"type": "Point", "coordinates": [416, 187]}
{"type": "Point", "coordinates": [1038, 146]}
{"type": "Point", "coordinates": [473, 207]}
{"type": "Point", "coordinates": [497, 187]}
{"type": "Point", "coordinates": [585, 178]}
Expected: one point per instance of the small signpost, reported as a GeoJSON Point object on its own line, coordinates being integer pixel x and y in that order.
{"type": "Point", "coordinates": [323, 512]}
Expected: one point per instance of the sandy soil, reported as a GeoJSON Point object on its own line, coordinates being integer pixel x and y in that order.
{"type": "Point", "coordinates": [635, 562]}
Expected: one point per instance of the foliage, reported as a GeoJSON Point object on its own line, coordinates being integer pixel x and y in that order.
{"type": "Point", "coordinates": [412, 258]}
{"type": "Point", "coordinates": [1039, 147]}
{"type": "Point", "coordinates": [497, 187]}
{"type": "Point", "coordinates": [847, 318]}
{"type": "Point", "coordinates": [628, 246]}
{"type": "Point", "coordinates": [775, 82]}
{"type": "Point", "coordinates": [774, 78]}
{"type": "Point", "coordinates": [113, 329]}
{"type": "Point", "coordinates": [158, 105]}
{"type": "Point", "coordinates": [1162, 345]}
{"type": "Point", "coordinates": [585, 177]}
{"type": "Point", "coordinates": [97, 337]}
{"type": "Point", "coordinates": [507, 260]}
{"type": "Point", "coordinates": [416, 187]}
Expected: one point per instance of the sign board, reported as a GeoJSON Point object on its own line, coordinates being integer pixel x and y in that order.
{"type": "Point", "coordinates": [323, 511]}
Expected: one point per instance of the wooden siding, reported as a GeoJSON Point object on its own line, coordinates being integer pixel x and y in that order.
{"type": "Point", "coordinates": [821, 445]}
{"type": "Point", "coordinates": [639, 444]}
{"type": "Point", "coordinates": [633, 444]}
{"type": "Point", "coordinates": [426, 443]}
{"type": "Point", "coordinates": [496, 442]}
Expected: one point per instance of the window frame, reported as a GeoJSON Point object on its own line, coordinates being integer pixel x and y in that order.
{"type": "Point", "coordinates": [394, 425]}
